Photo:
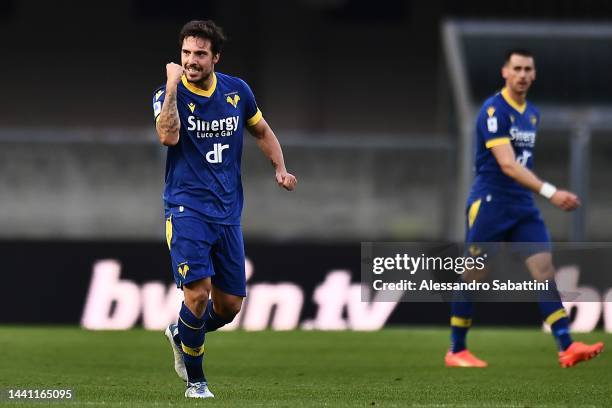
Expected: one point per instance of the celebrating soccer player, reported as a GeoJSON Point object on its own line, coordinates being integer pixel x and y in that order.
{"type": "Point", "coordinates": [200, 115]}
{"type": "Point", "coordinates": [500, 206]}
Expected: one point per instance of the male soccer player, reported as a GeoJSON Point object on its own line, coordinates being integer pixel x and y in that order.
{"type": "Point", "coordinates": [200, 115]}
{"type": "Point", "coordinates": [500, 206]}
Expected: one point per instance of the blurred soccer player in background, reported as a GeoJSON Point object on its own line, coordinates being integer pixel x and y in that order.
{"type": "Point", "coordinates": [200, 115]}
{"type": "Point", "coordinates": [501, 207]}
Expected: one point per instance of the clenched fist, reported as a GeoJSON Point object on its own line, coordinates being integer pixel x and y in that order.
{"type": "Point", "coordinates": [174, 72]}
{"type": "Point", "coordinates": [286, 180]}
{"type": "Point", "coordinates": [565, 200]}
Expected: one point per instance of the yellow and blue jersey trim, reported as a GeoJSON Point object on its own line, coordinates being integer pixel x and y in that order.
{"type": "Point", "coordinates": [519, 107]}
{"type": "Point", "coordinates": [207, 93]}
{"type": "Point", "coordinates": [497, 142]}
{"type": "Point", "coordinates": [253, 120]}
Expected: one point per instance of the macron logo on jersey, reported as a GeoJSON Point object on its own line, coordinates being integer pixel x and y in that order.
{"type": "Point", "coordinates": [215, 128]}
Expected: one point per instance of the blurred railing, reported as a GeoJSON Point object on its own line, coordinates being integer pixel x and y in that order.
{"type": "Point", "coordinates": [107, 183]}
{"type": "Point", "coordinates": [97, 184]}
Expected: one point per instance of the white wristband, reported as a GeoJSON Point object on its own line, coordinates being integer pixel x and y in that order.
{"type": "Point", "coordinates": [547, 190]}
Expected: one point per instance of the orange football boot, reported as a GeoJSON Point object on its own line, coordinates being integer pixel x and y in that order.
{"type": "Point", "coordinates": [463, 359]}
{"type": "Point", "coordinates": [578, 352]}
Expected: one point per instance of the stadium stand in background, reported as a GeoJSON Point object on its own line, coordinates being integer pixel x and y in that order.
{"type": "Point", "coordinates": [361, 100]}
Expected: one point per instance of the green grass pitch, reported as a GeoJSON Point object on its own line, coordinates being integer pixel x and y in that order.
{"type": "Point", "coordinates": [398, 367]}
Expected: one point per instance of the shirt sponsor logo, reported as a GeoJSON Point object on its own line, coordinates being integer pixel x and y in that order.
{"type": "Point", "coordinates": [522, 138]}
{"type": "Point", "coordinates": [215, 128]}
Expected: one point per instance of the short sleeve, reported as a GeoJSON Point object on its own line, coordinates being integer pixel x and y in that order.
{"type": "Point", "coordinates": [251, 111]}
{"type": "Point", "coordinates": [158, 100]}
{"type": "Point", "coordinates": [494, 126]}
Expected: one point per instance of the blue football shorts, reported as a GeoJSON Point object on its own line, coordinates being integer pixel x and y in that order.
{"type": "Point", "coordinates": [200, 249]}
{"type": "Point", "coordinates": [491, 220]}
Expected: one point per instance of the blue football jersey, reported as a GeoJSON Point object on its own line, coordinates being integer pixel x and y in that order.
{"type": "Point", "coordinates": [501, 120]}
{"type": "Point", "coordinates": [203, 169]}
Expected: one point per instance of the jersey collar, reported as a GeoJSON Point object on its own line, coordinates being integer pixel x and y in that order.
{"type": "Point", "coordinates": [519, 108]}
{"type": "Point", "coordinates": [199, 91]}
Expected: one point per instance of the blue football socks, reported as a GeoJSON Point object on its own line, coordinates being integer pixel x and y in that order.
{"type": "Point", "coordinates": [191, 333]}
{"type": "Point", "coordinates": [212, 321]}
{"type": "Point", "coordinates": [554, 314]}
{"type": "Point", "coordinates": [461, 321]}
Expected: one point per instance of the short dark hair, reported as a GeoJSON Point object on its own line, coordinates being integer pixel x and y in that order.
{"type": "Point", "coordinates": [517, 51]}
{"type": "Point", "coordinates": [206, 29]}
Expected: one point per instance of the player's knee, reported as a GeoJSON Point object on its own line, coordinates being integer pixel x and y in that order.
{"type": "Point", "coordinates": [196, 298]}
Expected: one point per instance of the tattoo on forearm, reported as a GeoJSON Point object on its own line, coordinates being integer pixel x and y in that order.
{"type": "Point", "coordinates": [169, 121]}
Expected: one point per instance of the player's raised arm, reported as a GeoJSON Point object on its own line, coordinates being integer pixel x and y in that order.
{"type": "Point", "coordinates": [504, 154]}
{"type": "Point", "coordinates": [168, 123]}
{"type": "Point", "coordinates": [269, 145]}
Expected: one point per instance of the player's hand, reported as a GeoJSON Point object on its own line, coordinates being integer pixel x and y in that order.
{"type": "Point", "coordinates": [174, 72]}
{"type": "Point", "coordinates": [286, 180]}
{"type": "Point", "coordinates": [565, 200]}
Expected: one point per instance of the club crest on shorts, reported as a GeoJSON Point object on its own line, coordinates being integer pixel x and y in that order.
{"type": "Point", "coordinates": [474, 250]}
{"type": "Point", "coordinates": [183, 269]}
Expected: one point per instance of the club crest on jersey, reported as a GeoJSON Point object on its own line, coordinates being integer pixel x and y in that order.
{"type": "Point", "coordinates": [533, 119]}
{"type": "Point", "coordinates": [191, 106]}
{"type": "Point", "coordinates": [233, 100]}
{"type": "Point", "coordinates": [490, 111]}
{"type": "Point", "coordinates": [158, 94]}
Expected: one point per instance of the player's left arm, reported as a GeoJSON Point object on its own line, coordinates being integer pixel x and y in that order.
{"type": "Point", "coordinates": [269, 145]}
{"type": "Point", "coordinates": [504, 154]}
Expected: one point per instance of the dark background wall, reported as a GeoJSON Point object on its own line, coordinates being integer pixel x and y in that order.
{"type": "Point", "coordinates": [340, 65]}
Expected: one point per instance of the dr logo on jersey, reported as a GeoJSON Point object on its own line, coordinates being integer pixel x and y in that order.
{"type": "Point", "coordinates": [216, 154]}
{"type": "Point", "coordinates": [523, 158]}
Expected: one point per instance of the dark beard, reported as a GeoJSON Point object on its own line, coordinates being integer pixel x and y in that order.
{"type": "Point", "coordinates": [201, 82]}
